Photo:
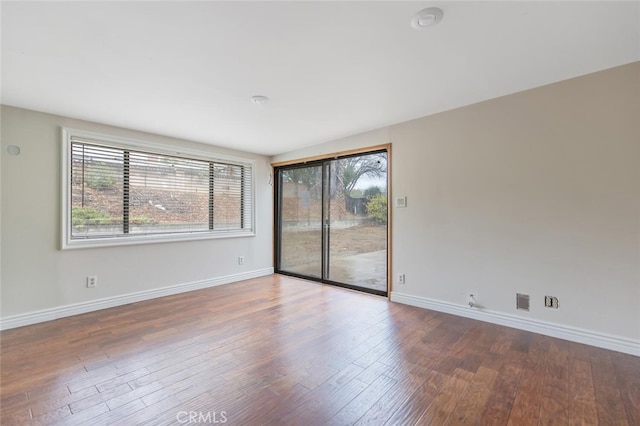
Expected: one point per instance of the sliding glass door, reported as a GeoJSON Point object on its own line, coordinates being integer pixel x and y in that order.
{"type": "Point", "coordinates": [300, 220]}
{"type": "Point", "coordinates": [331, 221]}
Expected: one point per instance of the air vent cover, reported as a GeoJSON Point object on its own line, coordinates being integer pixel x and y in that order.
{"type": "Point", "coordinates": [522, 301]}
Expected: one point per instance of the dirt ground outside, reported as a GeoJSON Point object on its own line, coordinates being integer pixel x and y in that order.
{"type": "Point", "coordinates": [358, 254]}
{"type": "Point", "coordinates": [344, 242]}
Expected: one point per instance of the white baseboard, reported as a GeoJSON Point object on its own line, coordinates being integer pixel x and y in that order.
{"type": "Point", "coordinates": [574, 334]}
{"type": "Point", "coordinates": [109, 302]}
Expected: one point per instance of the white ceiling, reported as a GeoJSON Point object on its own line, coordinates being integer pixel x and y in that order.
{"type": "Point", "coordinates": [332, 69]}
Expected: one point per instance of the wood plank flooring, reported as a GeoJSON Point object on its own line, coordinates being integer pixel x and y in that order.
{"type": "Point", "coordinates": [283, 351]}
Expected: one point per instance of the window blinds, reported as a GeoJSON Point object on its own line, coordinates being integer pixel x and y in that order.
{"type": "Point", "coordinates": [116, 192]}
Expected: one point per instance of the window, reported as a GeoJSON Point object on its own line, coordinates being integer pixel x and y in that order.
{"type": "Point", "coordinates": [122, 192]}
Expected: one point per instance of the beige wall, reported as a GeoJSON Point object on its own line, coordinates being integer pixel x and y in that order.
{"type": "Point", "coordinates": [536, 192]}
{"type": "Point", "coordinates": [37, 275]}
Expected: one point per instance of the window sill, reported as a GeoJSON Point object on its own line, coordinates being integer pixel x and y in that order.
{"type": "Point", "coordinates": [151, 239]}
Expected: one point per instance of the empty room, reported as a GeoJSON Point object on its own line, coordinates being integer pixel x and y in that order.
{"type": "Point", "coordinates": [320, 213]}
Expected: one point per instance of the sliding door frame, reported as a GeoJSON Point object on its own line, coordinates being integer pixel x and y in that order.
{"type": "Point", "coordinates": [320, 160]}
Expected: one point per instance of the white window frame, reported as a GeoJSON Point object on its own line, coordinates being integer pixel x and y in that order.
{"type": "Point", "coordinates": [156, 148]}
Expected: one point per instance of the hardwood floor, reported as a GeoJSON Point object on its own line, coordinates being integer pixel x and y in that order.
{"type": "Point", "coordinates": [282, 351]}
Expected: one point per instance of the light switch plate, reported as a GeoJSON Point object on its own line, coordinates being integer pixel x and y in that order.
{"type": "Point", "coordinates": [401, 201]}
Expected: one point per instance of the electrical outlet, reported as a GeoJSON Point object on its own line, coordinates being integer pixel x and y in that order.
{"type": "Point", "coordinates": [240, 260]}
{"type": "Point", "coordinates": [401, 279]}
{"type": "Point", "coordinates": [551, 302]}
{"type": "Point", "coordinates": [92, 281]}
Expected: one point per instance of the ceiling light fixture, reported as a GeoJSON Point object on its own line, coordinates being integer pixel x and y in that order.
{"type": "Point", "coordinates": [427, 18]}
{"type": "Point", "coordinates": [259, 99]}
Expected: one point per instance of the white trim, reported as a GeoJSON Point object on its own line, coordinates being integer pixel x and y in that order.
{"type": "Point", "coordinates": [135, 144]}
{"type": "Point", "coordinates": [110, 302]}
{"type": "Point", "coordinates": [69, 244]}
{"type": "Point", "coordinates": [574, 334]}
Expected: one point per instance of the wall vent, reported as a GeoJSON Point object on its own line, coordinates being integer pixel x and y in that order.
{"type": "Point", "coordinates": [522, 302]}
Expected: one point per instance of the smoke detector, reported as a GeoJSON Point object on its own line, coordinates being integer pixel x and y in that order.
{"type": "Point", "coordinates": [426, 18]}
